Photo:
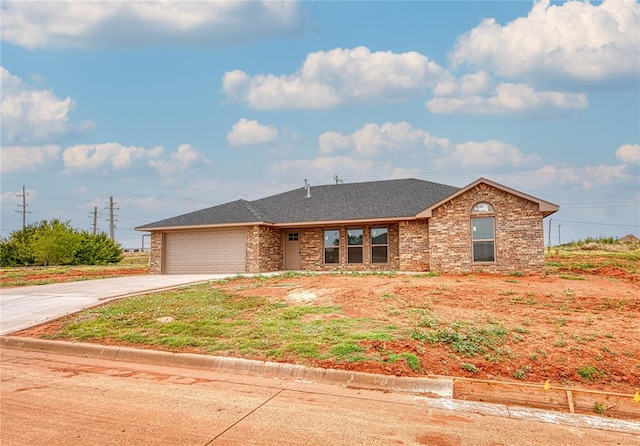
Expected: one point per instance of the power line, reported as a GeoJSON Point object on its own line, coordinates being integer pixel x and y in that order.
{"type": "Point", "coordinates": [599, 224]}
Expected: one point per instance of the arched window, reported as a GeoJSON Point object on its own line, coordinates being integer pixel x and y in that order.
{"type": "Point", "coordinates": [482, 208]}
{"type": "Point", "coordinates": [483, 234]}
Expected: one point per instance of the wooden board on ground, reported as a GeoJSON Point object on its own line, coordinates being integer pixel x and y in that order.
{"type": "Point", "coordinates": [548, 397]}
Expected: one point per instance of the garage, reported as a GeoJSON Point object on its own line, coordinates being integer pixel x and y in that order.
{"type": "Point", "coordinates": [193, 252]}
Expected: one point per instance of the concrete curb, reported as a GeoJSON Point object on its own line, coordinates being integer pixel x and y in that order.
{"type": "Point", "coordinates": [430, 386]}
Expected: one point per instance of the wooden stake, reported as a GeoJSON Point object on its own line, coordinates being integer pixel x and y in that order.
{"type": "Point", "coordinates": [572, 409]}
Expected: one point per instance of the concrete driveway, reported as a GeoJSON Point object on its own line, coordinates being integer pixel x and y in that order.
{"type": "Point", "coordinates": [24, 307]}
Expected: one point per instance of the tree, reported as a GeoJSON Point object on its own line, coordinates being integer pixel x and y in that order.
{"type": "Point", "coordinates": [17, 249]}
{"type": "Point", "coordinates": [57, 243]}
{"type": "Point", "coordinates": [97, 250]}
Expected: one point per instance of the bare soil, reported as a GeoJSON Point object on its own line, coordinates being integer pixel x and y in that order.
{"type": "Point", "coordinates": [565, 324]}
{"type": "Point", "coordinates": [37, 276]}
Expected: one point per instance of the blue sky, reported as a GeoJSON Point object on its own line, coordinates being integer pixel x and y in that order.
{"type": "Point", "coordinates": [172, 107]}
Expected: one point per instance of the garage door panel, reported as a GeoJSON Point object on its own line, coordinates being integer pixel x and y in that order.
{"type": "Point", "coordinates": [205, 252]}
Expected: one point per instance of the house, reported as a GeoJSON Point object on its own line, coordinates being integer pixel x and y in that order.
{"type": "Point", "coordinates": [393, 225]}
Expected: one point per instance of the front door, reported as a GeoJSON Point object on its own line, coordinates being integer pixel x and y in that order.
{"type": "Point", "coordinates": [292, 251]}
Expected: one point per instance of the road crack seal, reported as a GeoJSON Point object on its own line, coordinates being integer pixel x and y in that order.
{"type": "Point", "coordinates": [244, 417]}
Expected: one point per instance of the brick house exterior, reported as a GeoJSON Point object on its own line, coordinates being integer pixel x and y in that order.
{"type": "Point", "coordinates": [395, 225]}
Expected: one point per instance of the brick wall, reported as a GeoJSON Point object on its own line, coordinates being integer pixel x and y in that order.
{"type": "Point", "coordinates": [414, 245]}
{"type": "Point", "coordinates": [155, 258]}
{"type": "Point", "coordinates": [264, 249]}
{"type": "Point", "coordinates": [519, 240]}
{"type": "Point", "coordinates": [312, 250]}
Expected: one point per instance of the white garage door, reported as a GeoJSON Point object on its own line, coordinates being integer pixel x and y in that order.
{"type": "Point", "coordinates": [205, 252]}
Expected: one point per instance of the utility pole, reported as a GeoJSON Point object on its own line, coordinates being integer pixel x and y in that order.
{"type": "Point", "coordinates": [111, 219]}
{"type": "Point", "coordinates": [24, 205]}
{"type": "Point", "coordinates": [559, 242]}
{"type": "Point", "coordinates": [95, 220]}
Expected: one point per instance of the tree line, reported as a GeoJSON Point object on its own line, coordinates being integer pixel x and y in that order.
{"type": "Point", "coordinates": [54, 242]}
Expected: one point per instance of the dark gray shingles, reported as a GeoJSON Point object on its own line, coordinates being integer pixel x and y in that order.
{"type": "Point", "coordinates": [239, 211]}
{"type": "Point", "coordinates": [355, 201]}
{"type": "Point", "coordinates": [336, 202]}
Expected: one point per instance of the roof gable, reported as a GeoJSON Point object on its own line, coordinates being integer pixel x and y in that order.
{"type": "Point", "coordinates": [545, 207]}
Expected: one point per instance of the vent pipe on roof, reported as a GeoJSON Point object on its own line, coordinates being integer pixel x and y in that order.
{"type": "Point", "coordinates": [307, 186]}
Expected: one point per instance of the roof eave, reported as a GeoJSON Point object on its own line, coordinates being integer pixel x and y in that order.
{"type": "Point", "coordinates": [205, 226]}
{"type": "Point", "coordinates": [300, 224]}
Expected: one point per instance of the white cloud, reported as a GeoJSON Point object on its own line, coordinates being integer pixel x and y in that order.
{"type": "Point", "coordinates": [330, 78]}
{"type": "Point", "coordinates": [574, 41]}
{"type": "Point", "coordinates": [467, 85]}
{"type": "Point", "coordinates": [104, 24]}
{"type": "Point", "coordinates": [179, 161]}
{"type": "Point", "coordinates": [27, 158]}
{"type": "Point", "coordinates": [401, 173]}
{"type": "Point", "coordinates": [486, 154]}
{"type": "Point", "coordinates": [629, 153]}
{"type": "Point", "coordinates": [33, 116]}
{"type": "Point", "coordinates": [506, 98]}
{"type": "Point", "coordinates": [373, 138]}
{"type": "Point", "coordinates": [327, 166]}
{"type": "Point", "coordinates": [115, 155]}
{"type": "Point", "coordinates": [251, 133]}
{"type": "Point", "coordinates": [553, 179]}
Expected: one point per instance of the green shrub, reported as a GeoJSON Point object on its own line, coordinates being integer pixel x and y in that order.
{"type": "Point", "coordinates": [589, 372]}
{"type": "Point", "coordinates": [469, 367]}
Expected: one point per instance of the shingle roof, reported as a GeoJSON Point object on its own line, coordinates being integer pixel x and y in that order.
{"type": "Point", "coordinates": [335, 202]}
{"type": "Point", "coordinates": [239, 211]}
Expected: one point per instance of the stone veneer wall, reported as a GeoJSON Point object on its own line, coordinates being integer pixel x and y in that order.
{"type": "Point", "coordinates": [312, 250]}
{"type": "Point", "coordinates": [264, 249]}
{"type": "Point", "coordinates": [519, 239]}
{"type": "Point", "coordinates": [414, 245]}
{"type": "Point", "coordinates": [155, 258]}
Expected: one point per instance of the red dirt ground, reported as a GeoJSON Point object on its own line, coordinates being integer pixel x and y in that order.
{"type": "Point", "coordinates": [32, 276]}
{"type": "Point", "coordinates": [562, 324]}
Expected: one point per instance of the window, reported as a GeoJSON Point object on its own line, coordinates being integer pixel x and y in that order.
{"type": "Point", "coordinates": [483, 232]}
{"type": "Point", "coordinates": [293, 237]}
{"type": "Point", "coordinates": [354, 248]}
{"type": "Point", "coordinates": [483, 239]}
{"type": "Point", "coordinates": [482, 208]}
{"type": "Point", "coordinates": [331, 246]}
{"type": "Point", "coordinates": [379, 245]}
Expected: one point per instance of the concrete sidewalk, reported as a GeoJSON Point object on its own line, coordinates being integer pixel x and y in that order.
{"type": "Point", "coordinates": [24, 307]}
